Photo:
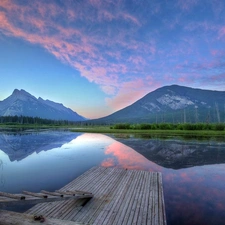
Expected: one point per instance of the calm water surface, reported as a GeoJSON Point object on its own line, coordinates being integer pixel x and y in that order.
{"type": "Point", "coordinates": [193, 171]}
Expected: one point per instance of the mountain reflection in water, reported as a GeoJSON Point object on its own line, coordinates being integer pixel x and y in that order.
{"type": "Point", "coordinates": [178, 153]}
{"type": "Point", "coordinates": [19, 145]}
{"type": "Point", "coordinates": [193, 172]}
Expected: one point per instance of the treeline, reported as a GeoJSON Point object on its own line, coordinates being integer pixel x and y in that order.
{"type": "Point", "coordinates": [17, 120]}
{"type": "Point", "coordinates": [170, 126]}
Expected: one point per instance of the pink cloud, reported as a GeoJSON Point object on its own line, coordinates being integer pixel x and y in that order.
{"type": "Point", "coordinates": [187, 78]}
{"type": "Point", "coordinates": [221, 32]}
{"type": "Point", "coordinates": [187, 5]}
{"type": "Point", "coordinates": [71, 45]}
{"type": "Point", "coordinates": [127, 94]}
{"type": "Point", "coordinates": [129, 17]}
{"type": "Point", "coordinates": [138, 60]}
{"type": "Point", "coordinates": [105, 14]}
{"type": "Point", "coordinates": [217, 8]}
{"type": "Point", "coordinates": [60, 44]}
{"type": "Point", "coordinates": [131, 91]}
{"type": "Point", "coordinates": [217, 77]}
{"type": "Point", "coordinates": [103, 41]}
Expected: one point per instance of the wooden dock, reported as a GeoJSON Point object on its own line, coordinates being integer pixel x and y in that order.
{"type": "Point", "coordinates": [120, 196]}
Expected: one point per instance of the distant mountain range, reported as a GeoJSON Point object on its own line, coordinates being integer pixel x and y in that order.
{"type": "Point", "coordinates": [25, 104]}
{"type": "Point", "coordinates": [169, 104]}
{"type": "Point", "coordinates": [172, 104]}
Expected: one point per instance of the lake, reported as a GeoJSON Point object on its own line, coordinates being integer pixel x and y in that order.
{"type": "Point", "coordinates": [193, 171]}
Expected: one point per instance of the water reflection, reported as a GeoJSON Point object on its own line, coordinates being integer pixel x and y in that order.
{"type": "Point", "coordinates": [177, 153]}
{"type": "Point", "coordinates": [193, 172]}
{"type": "Point", "coordinates": [53, 168]}
{"type": "Point", "coordinates": [195, 195]}
{"type": "Point", "coordinates": [193, 177]}
{"type": "Point", "coordinates": [19, 145]}
{"type": "Point", "coordinates": [122, 156]}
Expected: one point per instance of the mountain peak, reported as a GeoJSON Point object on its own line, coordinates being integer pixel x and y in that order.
{"type": "Point", "coordinates": [16, 91]}
{"type": "Point", "coordinates": [23, 103]}
{"type": "Point", "coordinates": [21, 92]}
{"type": "Point", "coordinates": [173, 104]}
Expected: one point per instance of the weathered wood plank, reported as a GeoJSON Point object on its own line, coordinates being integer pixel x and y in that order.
{"type": "Point", "coordinates": [162, 216]}
{"type": "Point", "coordinates": [85, 179]}
{"type": "Point", "coordinates": [121, 215]}
{"type": "Point", "coordinates": [139, 201]}
{"type": "Point", "coordinates": [108, 208]}
{"type": "Point", "coordinates": [120, 197]}
{"type": "Point", "coordinates": [111, 190]}
{"type": "Point", "coordinates": [81, 182]}
{"type": "Point", "coordinates": [72, 212]}
{"type": "Point", "coordinates": [136, 196]}
{"type": "Point", "coordinates": [156, 208]}
{"type": "Point", "coordinates": [38, 195]}
{"type": "Point", "coordinates": [124, 201]}
{"type": "Point", "coordinates": [151, 203]}
{"type": "Point", "coordinates": [13, 218]}
{"type": "Point", "coordinates": [105, 186]}
{"type": "Point", "coordinates": [12, 196]}
{"type": "Point", "coordinates": [39, 198]}
{"type": "Point", "coordinates": [74, 193]}
{"type": "Point", "coordinates": [51, 193]}
{"type": "Point", "coordinates": [145, 209]}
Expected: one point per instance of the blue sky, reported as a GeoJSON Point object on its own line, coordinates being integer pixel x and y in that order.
{"type": "Point", "coordinates": [97, 56]}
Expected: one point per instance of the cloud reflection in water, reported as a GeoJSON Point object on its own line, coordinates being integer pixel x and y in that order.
{"type": "Point", "coordinates": [122, 156]}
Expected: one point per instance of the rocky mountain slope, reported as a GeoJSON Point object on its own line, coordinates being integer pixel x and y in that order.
{"type": "Point", "coordinates": [173, 104]}
{"type": "Point", "coordinates": [23, 103]}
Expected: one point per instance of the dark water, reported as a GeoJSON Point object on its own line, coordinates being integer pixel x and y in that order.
{"type": "Point", "coordinates": [193, 171]}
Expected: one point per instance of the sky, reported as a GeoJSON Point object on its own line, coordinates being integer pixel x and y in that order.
{"type": "Point", "coordinates": [99, 56]}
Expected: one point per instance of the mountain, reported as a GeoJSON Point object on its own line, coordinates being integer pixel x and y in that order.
{"type": "Point", "coordinates": [172, 104]}
{"type": "Point", "coordinates": [23, 103]}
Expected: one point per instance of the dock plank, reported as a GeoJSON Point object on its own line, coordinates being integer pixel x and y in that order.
{"type": "Point", "coordinates": [120, 196]}
{"type": "Point", "coordinates": [99, 189]}
{"type": "Point", "coordinates": [106, 195]}
{"type": "Point", "coordinates": [144, 206]}
{"type": "Point", "coordinates": [129, 198]}
{"type": "Point", "coordinates": [13, 218]}
{"type": "Point", "coordinates": [109, 208]}
{"type": "Point", "coordinates": [126, 199]}
{"type": "Point", "coordinates": [139, 201]}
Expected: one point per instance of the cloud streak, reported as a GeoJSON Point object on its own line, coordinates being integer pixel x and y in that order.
{"type": "Point", "coordinates": [126, 49]}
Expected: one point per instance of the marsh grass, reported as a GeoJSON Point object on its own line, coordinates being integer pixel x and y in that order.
{"type": "Point", "coordinates": [144, 130]}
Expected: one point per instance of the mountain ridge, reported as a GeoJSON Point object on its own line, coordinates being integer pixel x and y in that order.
{"type": "Point", "coordinates": [23, 103]}
{"type": "Point", "coordinates": [173, 104]}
